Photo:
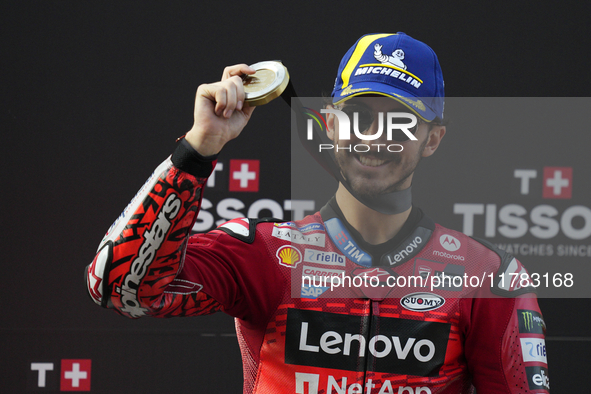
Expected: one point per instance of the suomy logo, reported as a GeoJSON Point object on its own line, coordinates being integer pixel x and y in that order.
{"type": "Point", "coordinates": [422, 302]}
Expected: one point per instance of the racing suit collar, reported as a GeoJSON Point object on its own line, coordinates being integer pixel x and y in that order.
{"type": "Point", "coordinates": [411, 238]}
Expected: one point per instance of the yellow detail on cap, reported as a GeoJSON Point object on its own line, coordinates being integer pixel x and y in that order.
{"type": "Point", "coordinates": [349, 90]}
{"type": "Point", "coordinates": [356, 56]}
{"type": "Point", "coordinates": [401, 99]}
{"type": "Point", "coordinates": [417, 103]}
{"type": "Point", "coordinates": [393, 67]}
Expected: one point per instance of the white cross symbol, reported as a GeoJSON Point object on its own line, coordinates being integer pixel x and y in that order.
{"type": "Point", "coordinates": [244, 175]}
{"type": "Point", "coordinates": [557, 183]}
{"type": "Point", "coordinates": [75, 374]}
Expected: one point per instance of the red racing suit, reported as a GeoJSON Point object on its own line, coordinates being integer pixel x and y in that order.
{"type": "Point", "coordinates": [317, 309]}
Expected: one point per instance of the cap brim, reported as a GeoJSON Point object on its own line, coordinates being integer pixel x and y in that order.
{"type": "Point", "coordinates": [414, 103]}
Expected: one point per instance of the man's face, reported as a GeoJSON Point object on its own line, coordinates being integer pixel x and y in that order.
{"type": "Point", "coordinates": [379, 172]}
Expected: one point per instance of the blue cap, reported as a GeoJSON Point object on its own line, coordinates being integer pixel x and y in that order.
{"type": "Point", "coordinates": [396, 66]}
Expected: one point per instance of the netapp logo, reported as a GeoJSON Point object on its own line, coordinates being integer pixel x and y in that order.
{"type": "Point", "coordinates": [332, 340]}
{"type": "Point", "coordinates": [339, 385]}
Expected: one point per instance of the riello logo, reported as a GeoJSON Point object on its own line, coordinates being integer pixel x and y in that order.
{"type": "Point", "coordinates": [344, 133]}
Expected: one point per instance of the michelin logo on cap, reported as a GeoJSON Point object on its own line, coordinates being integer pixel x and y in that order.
{"type": "Point", "coordinates": [396, 66]}
{"type": "Point", "coordinates": [395, 60]}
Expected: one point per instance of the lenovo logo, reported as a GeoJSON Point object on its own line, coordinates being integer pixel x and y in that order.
{"type": "Point", "coordinates": [331, 340]}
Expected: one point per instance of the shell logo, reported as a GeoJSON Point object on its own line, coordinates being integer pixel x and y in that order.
{"type": "Point", "coordinates": [289, 256]}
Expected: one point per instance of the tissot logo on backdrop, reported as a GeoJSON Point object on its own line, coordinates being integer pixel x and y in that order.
{"type": "Point", "coordinates": [244, 176]}
{"type": "Point", "coordinates": [345, 129]}
{"type": "Point", "coordinates": [71, 375]}
{"type": "Point", "coordinates": [554, 217]}
{"type": "Point", "coordinates": [239, 182]}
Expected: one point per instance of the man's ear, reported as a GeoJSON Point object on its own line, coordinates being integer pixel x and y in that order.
{"type": "Point", "coordinates": [433, 140]}
{"type": "Point", "coordinates": [331, 126]}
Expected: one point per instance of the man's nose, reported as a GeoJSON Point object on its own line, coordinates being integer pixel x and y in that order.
{"type": "Point", "coordinates": [375, 133]}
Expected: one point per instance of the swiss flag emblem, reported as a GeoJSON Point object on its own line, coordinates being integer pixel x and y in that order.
{"type": "Point", "coordinates": [558, 182]}
{"type": "Point", "coordinates": [244, 175]}
{"type": "Point", "coordinates": [75, 375]}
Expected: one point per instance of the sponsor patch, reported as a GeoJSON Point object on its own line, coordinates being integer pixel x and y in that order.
{"type": "Point", "coordinates": [313, 292]}
{"type": "Point", "coordinates": [289, 256]}
{"type": "Point", "coordinates": [322, 257]}
{"type": "Point", "coordinates": [530, 322]}
{"type": "Point", "coordinates": [449, 242]}
{"type": "Point", "coordinates": [345, 243]}
{"type": "Point", "coordinates": [296, 237]}
{"type": "Point", "coordinates": [318, 274]}
{"type": "Point", "coordinates": [335, 341]}
{"type": "Point", "coordinates": [537, 378]}
{"type": "Point", "coordinates": [316, 383]}
{"type": "Point", "coordinates": [304, 229]}
{"type": "Point", "coordinates": [533, 349]}
{"type": "Point", "coordinates": [422, 302]}
{"type": "Point", "coordinates": [409, 248]}
{"type": "Point", "coordinates": [389, 71]}
{"type": "Point", "coordinates": [450, 247]}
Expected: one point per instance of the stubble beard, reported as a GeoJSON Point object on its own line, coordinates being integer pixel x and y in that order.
{"type": "Point", "coordinates": [366, 185]}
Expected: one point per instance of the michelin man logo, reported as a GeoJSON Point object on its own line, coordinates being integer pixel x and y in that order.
{"type": "Point", "coordinates": [395, 60]}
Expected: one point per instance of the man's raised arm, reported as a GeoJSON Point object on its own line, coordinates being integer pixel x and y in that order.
{"type": "Point", "coordinates": [143, 251]}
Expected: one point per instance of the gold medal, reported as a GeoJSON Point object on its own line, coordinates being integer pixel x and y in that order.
{"type": "Point", "coordinates": [266, 84]}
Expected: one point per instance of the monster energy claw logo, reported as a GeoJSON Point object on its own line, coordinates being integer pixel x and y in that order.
{"type": "Point", "coordinates": [531, 322]}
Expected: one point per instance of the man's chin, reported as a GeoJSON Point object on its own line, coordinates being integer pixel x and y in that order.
{"type": "Point", "coordinates": [371, 188]}
{"type": "Point", "coordinates": [368, 189]}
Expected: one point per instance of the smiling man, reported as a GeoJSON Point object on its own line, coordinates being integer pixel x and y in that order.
{"type": "Point", "coordinates": [368, 295]}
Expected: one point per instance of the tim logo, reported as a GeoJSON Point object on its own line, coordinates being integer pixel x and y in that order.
{"type": "Point", "coordinates": [341, 238]}
{"type": "Point", "coordinates": [244, 175]}
{"type": "Point", "coordinates": [449, 243]}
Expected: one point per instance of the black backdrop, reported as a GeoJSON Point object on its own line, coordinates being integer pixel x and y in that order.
{"type": "Point", "coordinates": [94, 95]}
